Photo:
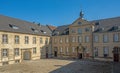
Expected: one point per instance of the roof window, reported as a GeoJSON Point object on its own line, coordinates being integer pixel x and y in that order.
{"type": "Point", "coordinates": [34, 29]}
{"type": "Point", "coordinates": [13, 26]}
{"type": "Point", "coordinates": [97, 23]}
{"type": "Point", "coordinates": [43, 31]}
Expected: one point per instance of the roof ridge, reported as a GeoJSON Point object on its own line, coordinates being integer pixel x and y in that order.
{"type": "Point", "coordinates": [106, 18]}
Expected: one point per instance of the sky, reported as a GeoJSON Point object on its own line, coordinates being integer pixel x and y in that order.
{"type": "Point", "coordinates": [59, 12]}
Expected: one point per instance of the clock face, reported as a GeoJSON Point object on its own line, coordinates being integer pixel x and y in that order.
{"type": "Point", "coordinates": [79, 23]}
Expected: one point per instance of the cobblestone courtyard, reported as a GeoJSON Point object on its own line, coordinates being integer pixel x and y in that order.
{"type": "Point", "coordinates": [61, 66]}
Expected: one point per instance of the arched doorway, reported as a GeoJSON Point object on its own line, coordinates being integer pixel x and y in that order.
{"type": "Point", "coordinates": [116, 54]}
{"type": "Point", "coordinates": [55, 52]}
{"type": "Point", "coordinates": [27, 55]}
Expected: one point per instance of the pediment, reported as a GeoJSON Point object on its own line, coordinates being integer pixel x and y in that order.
{"type": "Point", "coordinates": [80, 22]}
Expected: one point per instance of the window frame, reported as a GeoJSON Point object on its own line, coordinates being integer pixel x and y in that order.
{"type": "Point", "coordinates": [34, 50]}
{"type": "Point", "coordinates": [114, 37]}
{"type": "Point", "coordinates": [34, 40]}
{"type": "Point", "coordinates": [104, 51]}
{"type": "Point", "coordinates": [16, 52]}
{"type": "Point", "coordinates": [96, 52]}
{"type": "Point", "coordinates": [17, 41]}
{"type": "Point", "coordinates": [80, 39]}
{"type": "Point", "coordinates": [26, 39]}
{"type": "Point", "coordinates": [5, 54]}
{"type": "Point", "coordinates": [41, 40]}
{"type": "Point", "coordinates": [87, 39]}
{"type": "Point", "coordinates": [105, 38]}
{"type": "Point", "coordinates": [79, 31]}
{"type": "Point", "coordinates": [4, 39]}
{"type": "Point", "coordinates": [96, 39]}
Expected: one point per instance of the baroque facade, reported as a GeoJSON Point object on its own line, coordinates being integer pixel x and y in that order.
{"type": "Point", "coordinates": [98, 39]}
{"type": "Point", "coordinates": [21, 40]}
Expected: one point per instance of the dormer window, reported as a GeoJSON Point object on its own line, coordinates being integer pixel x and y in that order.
{"type": "Point", "coordinates": [97, 23]}
{"type": "Point", "coordinates": [34, 30]}
{"type": "Point", "coordinates": [13, 26]}
{"type": "Point", "coordinates": [43, 31]}
{"type": "Point", "coordinates": [116, 27]}
{"type": "Point", "coordinates": [101, 29]}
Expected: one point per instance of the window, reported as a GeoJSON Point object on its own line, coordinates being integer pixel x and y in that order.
{"type": "Point", "coordinates": [34, 29]}
{"type": "Point", "coordinates": [79, 31]}
{"type": "Point", "coordinates": [96, 38]}
{"type": "Point", "coordinates": [60, 40]}
{"type": "Point", "coordinates": [43, 31]}
{"type": "Point", "coordinates": [5, 52]}
{"type": "Point", "coordinates": [16, 39]}
{"type": "Point", "coordinates": [86, 39]}
{"type": "Point", "coordinates": [41, 41]}
{"type": "Point", "coordinates": [86, 50]}
{"type": "Point", "coordinates": [46, 41]}
{"type": "Point", "coordinates": [73, 39]}
{"type": "Point", "coordinates": [80, 39]}
{"type": "Point", "coordinates": [55, 40]}
{"type": "Point", "coordinates": [115, 37]}
{"type": "Point", "coordinates": [105, 51]}
{"type": "Point", "coordinates": [26, 39]}
{"type": "Point", "coordinates": [67, 50]}
{"type": "Point", "coordinates": [34, 51]}
{"type": "Point", "coordinates": [73, 49]}
{"type": "Point", "coordinates": [79, 23]}
{"type": "Point", "coordinates": [67, 40]}
{"type": "Point", "coordinates": [13, 26]}
{"type": "Point", "coordinates": [16, 51]}
{"type": "Point", "coordinates": [95, 52]}
{"type": "Point", "coordinates": [73, 31]}
{"type": "Point", "coordinates": [87, 29]}
{"type": "Point", "coordinates": [61, 49]}
{"type": "Point", "coordinates": [105, 38]}
{"type": "Point", "coordinates": [34, 40]}
{"type": "Point", "coordinates": [4, 38]}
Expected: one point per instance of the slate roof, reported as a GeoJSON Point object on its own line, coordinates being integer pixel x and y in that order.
{"type": "Point", "coordinates": [9, 24]}
{"type": "Point", "coordinates": [102, 25]}
{"type": "Point", "coordinates": [61, 30]}
{"type": "Point", "coordinates": [107, 25]}
{"type": "Point", "coordinates": [51, 27]}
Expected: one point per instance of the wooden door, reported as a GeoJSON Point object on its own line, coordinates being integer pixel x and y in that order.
{"type": "Point", "coordinates": [27, 55]}
{"type": "Point", "coordinates": [55, 53]}
{"type": "Point", "coordinates": [116, 57]}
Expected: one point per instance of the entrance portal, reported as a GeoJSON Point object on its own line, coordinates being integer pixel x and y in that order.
{"type": "Point", "coordinates": [26, 55]}
{"type": "Point", "coordinates": [55, 53]}
{"type": "Point", "coordinates": [116, 54]}
{"type": "Point", "coordinates": [79, 55]}
{"type": "Point", "coordinates": [116, 57]}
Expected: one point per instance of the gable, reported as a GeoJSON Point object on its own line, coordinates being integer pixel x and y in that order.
{"type": "Point", "coordinates": [79, 22]}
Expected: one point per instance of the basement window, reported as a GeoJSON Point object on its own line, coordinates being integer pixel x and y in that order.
{"type": "Point", "coordinates": [17, 61]}
{"type": "Point", "coordinates": [5, 63]}
{"type": "Point", "coordinates": [13, 26]}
